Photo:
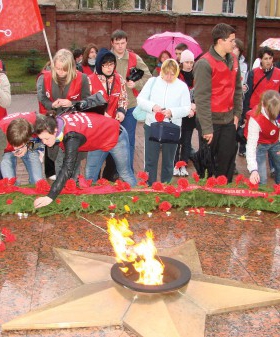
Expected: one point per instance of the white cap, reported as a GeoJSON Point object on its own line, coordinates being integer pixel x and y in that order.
{"type": "Point", "coordinates": [186, 55]}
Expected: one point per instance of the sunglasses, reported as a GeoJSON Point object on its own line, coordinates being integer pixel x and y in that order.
{"type": "Point", "coordinates": [29, 145]}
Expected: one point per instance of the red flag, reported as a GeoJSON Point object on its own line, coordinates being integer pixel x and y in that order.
{"type": "Point", "coordinates": [19, 19]}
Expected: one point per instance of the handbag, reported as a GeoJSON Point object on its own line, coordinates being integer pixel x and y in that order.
{"type": "Point", "coordinates": [165, 132]}
{"type": "Point", "coordinates": [138, 113]}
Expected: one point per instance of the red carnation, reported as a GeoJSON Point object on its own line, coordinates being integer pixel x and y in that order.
{"type": "Point", "coordinates": [10, 237]}
{"type": "Point", "coordinates": [221, 180]}
{"type": "Point", "coordinates": [42, 186]}
{"type": "Point", "coordinates": [253, 186]}
{"type": "Point", "coordinates": [157, 186]}
{"type": "Point", "coordinates": [239, 179]}
{"type": "Point", "coordinates": [202, 211]}
{"type": "Point", "coordinates": [157, 199]}
{"type": "Point", "coordinates": [165, 206]}
{"type": "Point", "coordinates": [177, 194]}
{"type": "Point", "coordinates": [102, 182]}
{"type": "Point", "coordinates": [9, 201]}
{"type": "Point", "coordinates": [6, 231]}
{"type": "Point", "coordinates": [143, 175]}
{"type": "Point", "coordinates": [135, 199]}
{"type": "Point", "coordinates": [70, 185]}
{"type": "Point", "coordinates": [2, 246]}
{"type": "Point", "coordinates": [58, 201]}
{"type": "Point", "coordinates": [159, 116]}
{"type": "Point", "coordinates": [170, 189]}
{"type": "Point", "coordinates": [84, 205]}
{"type": "Point", "coordinates": [83, 183]}
{"type": "Point", "coordinates": [112, 206]}
{"type": "Point", "coordinates": [180, 164]}
{"type": "Point", "coordinates": [195, 177]}
{"type": "Point", "coordinates": [142, 183]}
{"type": "Point", "coordinates": [183, 183]}
{"type": "Point", "coordinates": [276, 188]}
{"type": "Point", "coordinates": [122, 185]}
{"type": "Point", "coordinates": [211, 182]}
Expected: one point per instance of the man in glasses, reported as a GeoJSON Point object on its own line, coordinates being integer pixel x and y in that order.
{"type": "Point", "coordinates": [18, 128]}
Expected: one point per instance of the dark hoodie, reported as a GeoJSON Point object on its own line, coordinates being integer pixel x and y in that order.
{"type": "Point", "coordinates": [104, 55]}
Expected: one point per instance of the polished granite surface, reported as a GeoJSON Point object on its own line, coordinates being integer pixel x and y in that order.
{"type": "Point", "coordinates": [242, 250]}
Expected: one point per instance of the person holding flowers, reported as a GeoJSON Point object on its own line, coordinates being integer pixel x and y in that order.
{"type": "Point", "coordinates": [165, 98]}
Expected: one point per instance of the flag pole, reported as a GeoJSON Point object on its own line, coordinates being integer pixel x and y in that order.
{"type": "Point", "coordinates": [47, 44]}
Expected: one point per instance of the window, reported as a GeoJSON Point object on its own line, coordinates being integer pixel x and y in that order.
{"type": "Point", "coordinates": [140, 4]}
{"type": "Point", "coordinates": [228, 6]}
{"type": "Point", "coordinates": [197, 5]}
{"type": "Point", "coordinates": [113, 4]}
{"type": "Point", "coordinates": [166, 5]}
{"type": "Point", "coordinates": [86, 3]}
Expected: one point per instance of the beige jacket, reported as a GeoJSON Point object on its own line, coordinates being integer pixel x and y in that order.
{"type": "Point", "coordinates": [5, 91]}
{"type": "Point", "coordinates": [122, 65]}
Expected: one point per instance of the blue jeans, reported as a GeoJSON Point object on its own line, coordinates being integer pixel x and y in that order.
{"type": "Point", "coordinates": [129, 123]}
{"type": "Point", "coordinates": [121, 156]}
{"type": "Point", "coordinates": [271, 149]}
{"type": "Point", "coordinates": [31, 162]}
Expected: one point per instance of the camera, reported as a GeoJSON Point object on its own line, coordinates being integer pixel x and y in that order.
{"type": "Point", "coordinates": [135, 74]}
{"type": "Point", "coordinates": [94, 103]}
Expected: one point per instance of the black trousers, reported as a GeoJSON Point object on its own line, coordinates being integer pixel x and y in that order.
{"type": "Point", "coordinates": [223, 149]}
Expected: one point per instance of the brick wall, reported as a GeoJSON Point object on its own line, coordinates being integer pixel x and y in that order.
{"type": "Point", "coordinates": [72, 28]}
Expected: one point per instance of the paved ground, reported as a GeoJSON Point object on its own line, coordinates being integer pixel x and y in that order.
{"type": "Point", "coordinates": [22, 103]}
{"type": "Point", "coordinates": [228, 247]}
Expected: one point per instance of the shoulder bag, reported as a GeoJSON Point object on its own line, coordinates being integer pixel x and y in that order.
{"type": "Point", "coordinates": [138, 113]}
{"type": "Point", "coordinates": [165, 132]}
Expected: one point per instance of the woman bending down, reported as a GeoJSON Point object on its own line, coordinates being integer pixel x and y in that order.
{"type": "Point", "coordinates": [262, 132]}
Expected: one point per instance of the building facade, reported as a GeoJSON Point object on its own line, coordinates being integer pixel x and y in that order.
{"type": "Point", "coordinates": [228, 7]}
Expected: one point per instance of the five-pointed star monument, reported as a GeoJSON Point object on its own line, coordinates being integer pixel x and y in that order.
{"type": "Point", "coordinates": [100, 302]}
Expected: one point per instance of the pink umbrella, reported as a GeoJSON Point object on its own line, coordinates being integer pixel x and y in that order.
{"type": "Point", "coordinates": [272, 42]}
{"type": "Point", "coordinates": [156, 43]}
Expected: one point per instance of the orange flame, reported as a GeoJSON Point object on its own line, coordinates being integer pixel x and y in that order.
{"type": "Point", "coordinates": [141, 255]}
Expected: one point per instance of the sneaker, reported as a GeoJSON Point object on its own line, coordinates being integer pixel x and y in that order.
{"type": "Point", "coordinates": [176, 172]}
{"type": "Point", "coordinates": [242, 154]}
{"type": "Point", "coordinates": [52, 177]}
{"type": "Point", "coordinates": [184, 172]}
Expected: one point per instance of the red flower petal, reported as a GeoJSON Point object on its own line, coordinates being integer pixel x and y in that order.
{"type": "Point", "coordinates": [180, 164]}
{"type": "Point", "coordinates": [159, 116]}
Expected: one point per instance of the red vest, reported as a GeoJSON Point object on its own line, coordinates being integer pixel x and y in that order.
{"type": "Point", "coordinates": [102, 133]}
{"type": "Point", "coordinates": [132, 63]}
{"type": "Point", "coordinates": [266, 84]}
{"type": "Point", "coordinates": [3, 112]}
{"type": "Point", "coordinates": [269, 133]}
{"type": "Point", "coordinates": [74, 92]}
{"type": "Point", "coordinates": [113, 99]}
{"type": "Point", "coordinates": [5, 122]}
{"type": "Point", "coordinates": [87, 70]}
{"type": "Point", "coordinates": [223, 83]}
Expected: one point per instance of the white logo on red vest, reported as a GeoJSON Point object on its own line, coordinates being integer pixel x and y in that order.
{"type": "Point", "coordinates": [275, 81]}
{"type": "Point", "coordinates": [272, 133]}
{"type": "Point", "coordinates": [74, 96]}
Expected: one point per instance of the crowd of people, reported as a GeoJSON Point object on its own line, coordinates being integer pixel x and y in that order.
{"type": "Point", "coordinates": [214, 94]}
